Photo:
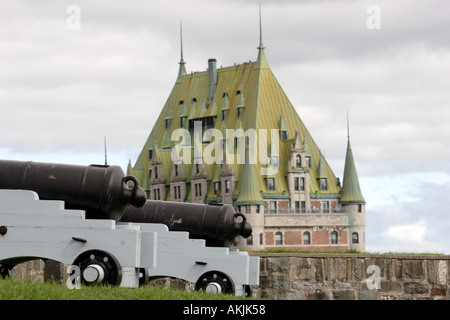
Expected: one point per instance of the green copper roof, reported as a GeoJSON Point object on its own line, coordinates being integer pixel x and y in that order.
{"type": "Point", "coordinates": [249, 191]}
{"type": "Point", "coordinates": [351, 191]}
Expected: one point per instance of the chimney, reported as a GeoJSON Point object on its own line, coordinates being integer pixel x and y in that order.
{"type": "Point", "coordinates": [212, 77]}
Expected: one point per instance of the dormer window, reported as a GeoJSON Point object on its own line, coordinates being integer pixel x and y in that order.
{"type": "Point", "coordinates": [298, 161]}
{"type": "Point", "coordinates": [224, 114]}
{"type": "Point", "coordinates": [182, 121]}
{"type": "Point", "coordinates": [308, 162]}
{"type": "Point", "coordinates": [323, 184]}
{"type": "Point", "coordinates": [284, 135]}
{"type": "Point", "coordinates": [240, 111]}
{"type": "Point", "coordinates": [168, 123]}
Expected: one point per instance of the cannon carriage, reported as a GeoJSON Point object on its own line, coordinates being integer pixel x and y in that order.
{"type": "Point", "coordinates": [97, 219]}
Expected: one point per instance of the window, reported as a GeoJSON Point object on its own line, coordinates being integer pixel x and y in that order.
{"type": "Point", "coordinates": [227, 186]}
{"type": "Point", "coordinates": [298, 161]}
{"type": "Point", "coordinates": [278, 238]}
{"type": "Point", "coordinates": [156, 194]}
{"type": "Point", "coordinates": [176, 170]}
{"type": "Point", "coordinates": [297, 206]}
{"type": "Point", "coordinates": [240, 111]}
{"type": "Point", "coordinates": [198, 189]}
{"type": "Point", "coordinates": [308, 162]}
{"type": "Point", "coordinates": [182, 121]}
{"type": "Point", "coordinates": [359, 207]}
{"type": "Point", "coordinates": [355, 237]}
{"type": "Point", "coordinates": [150, 154]}
{"type": "Point", "coordinates": [250, 241]}
{"type": "Point", "coordinates": [302, 184]}
{"type": "Point", "coordinates": [247, 209]}
{"type": "Point", "coordinates": [284, 135]}
{"type": "Point", "coordinates": [306, 238]}
{"type": "Point", "coordinates": [303, 206]}
{"type": "Point", "coordinates": [325, 207]}
{"type": "Point", "coordinates": [296, 184]}
{"type": "Point", "coordinates": [156, 172]}
{"type": "Point", "coordinates": [175, 192]}
{"type": "Point", "coordinates": [272, 207]}
{"type": "Point", "coordinates": [270, 184]}
{"type": "Point", "coordinates": [323, 184]}
{"type": "Point", "coordinates": [224, 114]}
{"type": "Point", "coordinates": [257, 208]}
{"type": "Point", "coordinates": [216, 187]}
{"type": "Point", "coordinates": [197, 168]}
{"type": "Point", "coordinates": [168, 122]}
{"type": "Point", "coordinates": [260, 238]}
{"type": "Point", "coordinates": [334, 237]}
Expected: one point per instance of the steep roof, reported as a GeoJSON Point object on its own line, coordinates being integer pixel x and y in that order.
{"type": "Point", "coordinates": [252, 87]}
{"type": "Point", "coordinates": [351, 191]}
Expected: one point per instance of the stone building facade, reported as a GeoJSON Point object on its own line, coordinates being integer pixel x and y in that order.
{"type": "Point", "coordinates": [243, 143]}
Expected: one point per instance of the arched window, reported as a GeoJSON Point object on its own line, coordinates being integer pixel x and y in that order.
{"type": "Point", "coordinates": [334, 237]}
{"type": "Point", "coordinates": [355, 237]}
{"type": "Point", "coordinates": [278, 238]}
{"type": "Point", "coordinates": [306, 238]}
{"type": "Point", "coordinates": [298, 161]}
{"type": "Point", "coordinates": [250, 241]}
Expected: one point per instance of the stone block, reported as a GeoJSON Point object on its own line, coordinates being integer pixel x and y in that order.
{"type": "Point", "coordinates": [359, 269]}
{"type": "Point", "coordinates": [318, 269]}
{"type": "Point", "coordinates": [318, 295]}
{"type": "Point", "coordinates": [290, 295]}
{"type": "Point", "coordinates": [365, 293]}
{"type": "Point", "coordinates": [390, 286]}
{"type": "Point", "coordinates": [415, 288]}
{"type": "Point", "coordinates": [398, 268]}
{"type": "Point", "coordinates": [277, 282]}
{"type": "Point", "coordinates": [413, 269]}
{"type": "Point", "coordinates": [301, 269]}
{"type": "Point", "coordinates": [438, 292]}
{"type": "Point", "coordinates": [343, 295]}
{"type": "Point", "coordinates": [307, 286]}
{"type": "Point", "coordinates": [437, 272]}
{"type": "Point", "coordinates": [278, 264]}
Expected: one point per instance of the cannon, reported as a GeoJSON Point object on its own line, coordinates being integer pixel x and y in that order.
{"type": "Point", "coordinates": [217, 224]}
{"type": "Point", "coordinates": [101, 191]}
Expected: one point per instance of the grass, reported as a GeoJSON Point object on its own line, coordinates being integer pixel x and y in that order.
{"type": "Point", "coordinates": [14, 289]}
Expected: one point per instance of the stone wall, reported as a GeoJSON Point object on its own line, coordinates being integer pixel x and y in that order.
{"type": "Point", "coordinates": [312, 276]}
{"type": "Point", "coordinates": [321, 276]}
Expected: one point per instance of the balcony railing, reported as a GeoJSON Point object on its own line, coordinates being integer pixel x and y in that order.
{"type": "Point", "coordinates": [302, 211]}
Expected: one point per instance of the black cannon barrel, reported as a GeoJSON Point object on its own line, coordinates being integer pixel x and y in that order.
{"type": "Point", "coordinates": [102, 191]}
{"type": "Point", "coordinates": [218, 224]}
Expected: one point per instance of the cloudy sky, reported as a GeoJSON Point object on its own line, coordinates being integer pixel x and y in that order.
{"type": "Point", "coordinates": [73, 72]}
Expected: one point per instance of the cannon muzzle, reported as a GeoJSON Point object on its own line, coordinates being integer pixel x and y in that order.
{"type": "Point", "coordinates": [102, 191]}
{"type": "Point", "coordinates": [218, 224]}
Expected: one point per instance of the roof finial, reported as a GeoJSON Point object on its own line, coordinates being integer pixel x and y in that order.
{"type": "Point", "coordinates": [181, 40]}
{"type": "Point", "coordinates": [348, 127]}
{"type": "Point", "coordinates": [182, 70]}
{"type": "Point", "coordinates": [261, 46]}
